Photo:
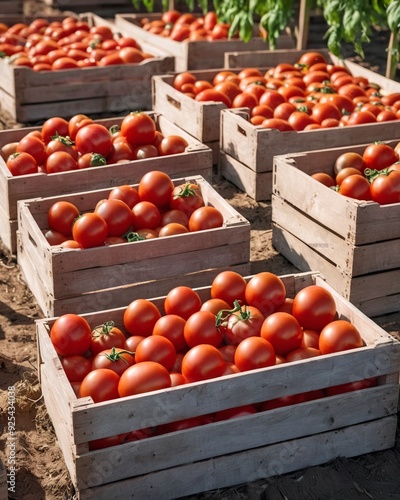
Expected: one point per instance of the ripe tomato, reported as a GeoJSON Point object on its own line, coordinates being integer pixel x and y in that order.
{"type": "Point", "coordinates": [138, 128]}
{"type": "Point", "coordinates": [349, 159]}
{"type": "Point", "coordinates": [299, 120]}
{"type": "Point", "coordinates": [346, 172]}
{"type": "Point", "coordinates": [186, 198]}
{"type": "Point", "coordinates": [322, 111]}
{"type": "Point", "coordinates": [355, 186]}
{"type": "Point", "coordinates": [379, 156]}
{"type": "Point", "coordinates": [93, 138]}
{"type": "Point", "coordinates": [22, 164]}
{"type": "Point", "coordinates": [70, 334]}
{"type": "Point", "coordinates": [360, 117]}
{"type": "Point", "coordinates": [229, 286]}
{"type": "Point", "coordinates": [75, 123]}
{"type": "Point", "coordinates": [140, 317]}
{"type": "Point", "coordinates": [310, 338]}
{"type": "Point", "coordinates": [202, 362]}
{"type": "Point", "coordinates": [283, 331]}
{"type": "Point", "coordinates": [278, 124]}
{"type": "Point", "coordinates": [90, 230]}
{"type": "Point", "coordinates": [253, 353]}
{"type": "Point", "coordinates": [176, 216]}
{"type": "Point", "coordinates": [324, 179]}
{"type": "Point", "coordinates": [145, 215]}
{"type": "Point", "coordinates": [215, 305]}
{"type": "Point", "coordinates": [339, 335]}
{"type": "Point", "coordinates": [120, 151]}
{"type": "Point", "coordinates": [61, 216]}
{"type": "Point", "coordinates": [172, 145]}
{"type": "Point", "coordinates": [89, 160]}
{"type": "Point", "coordinates": [266, 292]}
{"type": "Point", "coordinates": [214, 96]}
{"type": "Point", "coordinates": [311, 57]}
{"type": "Point", "coordinates": [60, 143]}
{"type": "Point", "coordinates": [182, 301]}
{"type": "Point", "coordinates": [115, 359]}
{"type": "Point", "coordinates": [156, 348]}
{"type": "Point", "coordinates": [106, 336]}
{"type": "Point", "coordinates": [302, 353]}
{"type": "Point", "coordinates": [200, 328]}
{"type": "Point", "coordinates": [33, 146]}
{"type": "Point", "coordinates": [100, 384]}
{"type": "Point", "coordinates": [207, 217]}
{"type": "Point", "coordinates": [183, 78]}
{"type": "Point", "coordinates": [241, 324]}
{"type": "Point", "coordinates": [143, 377]}
{"type": "Point", "coordinates": [156, 187]}
{"type": "Point", "coordinates": [54, 237]}
{"type": "Point", "coordinates": [125, 193]}
{"type": "Point", "coordinates": [172, 326]}
{"type": "Point", "coordinates": [60, 161]}
{"type": "Point", "coordinates": [172, 229]}
{"type": "Point", "coordinates": [314, 307]}
{"type": "Point", "coordinates": [385, 188]}
{"type": "Point", "coordinates": [76, 367]}
{"type": "Point", "coordinates": [117, 215]}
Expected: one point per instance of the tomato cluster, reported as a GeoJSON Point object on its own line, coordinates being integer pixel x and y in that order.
{"type": "Point", "coordinates": [373, 175]}
{"type": "Point", "coordinates": [62, 145]}
{"type": "Point", "coordinates": [187, 26]}
{"type": "Point", "coordinates": [311, 94]}
{"type": "Point", "coordinates": [242, 326]}
{"type": "Point", "coordinates": [71, 43]}
{"type": "Point", "coordinates": [156, 208]}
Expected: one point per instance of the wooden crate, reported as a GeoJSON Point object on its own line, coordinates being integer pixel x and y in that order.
{"type": "Point", "coordinates": [235, 451]}
{"type": "Point", "coordinates": [248, 150]}
{"type": "Point", "coordinates": [197, 160]}
{"type": "Point", "coordinates": [3, 475]}
{"type": "Point", "coordinates": [29, 96]}
{"type": "Point", "coordinates": [11, 7]}
{"type": "Point", "coordinates": [354, 244]}
{"type": "Point", "coordinates": [191, 55]}
{"type": "Point", "coordinates": [106, 8]}
{"type": "Point", "coordinates": [96, 278]}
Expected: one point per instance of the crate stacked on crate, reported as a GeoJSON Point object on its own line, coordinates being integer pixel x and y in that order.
{"type": "Point", "coordinates": [63, 280]}
{"type": "Point", "coordinates": [354, 244]}
{"type": "Point", "coordinates": [309, 433]}
{"type": "Point", "coordinates": [29, 96]}
{"type": "Point", "coordinates": [193, 55]}
{"type": "Point", "coordinates": [196, 160]}
{"type": "Point", "coordinates": [247, 151]}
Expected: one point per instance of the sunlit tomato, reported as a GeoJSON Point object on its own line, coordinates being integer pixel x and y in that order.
{"type": "Point", "coordinates": [54, 237]}
{"type": "Point", "coordinates": [140, 316]}
{"type": "Point", "coordinates": [310, 338]}
{"type": "Point", "coordinates": [145, 151]}
{"type": "Point", "coordinates": [231, 89]}
{"type": "Point", "coordinates": [253, 353]}
{"type": "Point", "coordinates": [33, 146]}
{"type": "Point", "coordinates": [174, 216]}
{"type": "Point", "coordinates": [278, 124]}
{"type": "Point", "coordinates": [93, 138]}
{"type": "Point", "coordinates": [379, 156]}
{"type": "Point", "coordinates": [60, 161]}
{"type": "Point", "coordinates": [311, 57]}
{"type": "Point", "coordinates": [202, 362]}
{"type": "Point", "coordinates": [125, 193]}
{"type": "Point", "coordinates": [117, 215]}
{"type": "Point", "coordinates": [283, 111]}
{"type": "Point", "coordinates": [106, 336]}
{"type": "Point", "coordinates": [299, 120]}
{"type": "Point", "coordinates": [172, 229]}
{"type": "Point", "coordinates": [360, 117]}
{"type": "Point", "coordinates": [341, 101]}
{"type": "Point", "coordinates": [120, 151]}
{"type": "Point", "coordinates": [89, 160]}
{"type": "Point", "coordinates": [186, 198]}
{"type": "Point", "coordinates": [64, 63]}
{"type": "Point", "coordinates": [324, 178]}
{"type": "Point", "coordinates": [245, 100]}
{"type": "Point", "coordinates": [61, 216]}
{"type": "Point", "coordinates": [145, 215]}
{"type": "Point", "coordinates": [207, 217]}
{"type": "Point", "coordinates": [156, 348]}
{"type": "Point", "coordinates": [346, 172]}
{"type": "Point", "coordinates": [213, 95]}
{"type": "Point", "coordinates": [322, 111]}
{"type": "Point", "coordinates": [143, 377]}
{"type": "Point", "coordinates": [386, 115]}
{"type": "Point", "coordinates": [302, 353]}
{"type": "Point", "coordinates": [314, 307]}
{"type": "Point", "coordinates": [60, 143]}
{"type": "Point", "coordinates": [349, 159]}
{"type": "Point", "coordinates": [215, 305]}
{"type": "Point", "coordinates": [266, 292]}
{"type": "Point", "coordinates": [200, 328]}
{"type": "Point", "coordinates": [75, 123]}
{"type": "Point", "coordinates": [22, 164]}
{"type": "Point", "coordinates": [116, 359]}
{"type": "Point", "coordinates": [242, 323]}
{"type": "Point", "coordinates": [182, 301]}
{"type": "Point", "coordinates": [225, 75]}
{"type": "Point", "coordinates": [100, 385]}
{"type": "Point", "coordinates": [229, 286]}
{"type": "Point", "coordinates": [183, 78]}
{"type": "Point", "coordinates": [283, 331]}
{"type": "Point", "coordinates": [172, 326]}
{"type": "Point", "coordinates": [139, 128]}
{"type": "Point", "coordinates": [375, 109]}
{"type": "Point", "coordinates": [385, 188]}
{"type": "Point", "coordinates": [70, 334]}
{"type": "Point", "coordinates": [172, 145]}
{"type": "Point", "coordinates": [339, 335]}
{"type": "Point", "coordinates": [90, 230]}
{"type": "Point", "coordinates": [76, 367]}
{"type": "Point", "coordinates": [286, 306]}
{"type": "Point", "coordinates": [271, 98]}
{"type": "Point", "coordinates": [52, 127]}
{"type": "Point", "coordinates": [355, 186]}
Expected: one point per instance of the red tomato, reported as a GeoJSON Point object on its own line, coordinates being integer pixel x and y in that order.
{"type": "Point", "coordinates": [70, 334]}
{"type": "Point", "coordinates": [138, 128]}
{"type": "Point", "coordinates": [21, 164]}
{"type": "Point", "coordinates": [200, 328]}
{"type": "Point", "coordinates": [100, 385]}
{"type": "Point", "coordinates": [310, 338]}
{"type": "Point", "coordinates": [355, 186]}
{"type": "Point", "coordinates": [145, 215]}
{"type": "Point", "coordinates": [106, 336]}
{"type": "Point", "coordinates": [182, 79]}
{"type": "Point", "coordinates": [213, 96]}
{"type": "Point", "coordinates": [379, 156]}
{"type": "Point", "coordinates": [186, 198]}
{"type": "Point", "coordinates": [156, 187]}
{"type": "Point", "coordinates": [176, 216]}
{"type": "Point", "coordinates": [115, 359]}
{"type": "Point", "coordinates": [140, 317]}
{"type": "Point", "coordinates": [89, 160]}
{"type": "Point", "coordinates": [339, 335]}
{"type": "Point", "coordinates": [278, 124]}
{"type": "Point", "coordinates": [60, 143]}
{"type": "Point", "coordinates": [54, 237]}
{"type": "Point", "coordinates": [143, 377]}
{"type": "Point", "coordinates": [228, 352]}
{"type": "Point", "coordinates": [60, 161]}
{"type": "Point", "coordinates": [33, 146]}
{"type": "Point", "coordinates": [283, 331]}
{"type": "Point", "coordinates": [75, 123]}
{"type": "Point", "coordinates": [207, 217]}
{"type": "Point", "coordinates": [241, 324]}
{"type": "Point", "coordinates": [299, 120]}
{"type": "Point", "coordinates": [385, 188]}
{"type": "Point", "coordinates": [253, 353]}
{"type": "Point", "coordinates": [322, 111]}
{"type": "Point", "coordinates": [324, 178]}
{"type": "Point", "coordinates": [145, 151]}
{"type": "Point", "coordinates": [215, 305]}
{"type": "Point", "coordinates": [172, 145]}
{"type": "Point", "coordinates": [302, 353]}
{"type": "Point", "coordinates": [156, 348]}
{"type": "Point", "coordinates": [346, 172]}
{"type": "Point", "coordinates": [266, 292]}
{"type": "Point", "coordinates": [229, 286]}
{"type": "Point", "coordinates": [61, 216]}
{"type": "Point", "coordinates": [177, 379]}
{"type": "Point", "coordinates": [314, 307]}
{"type": "Point", "coordinates": [76, 367]}
{"type": "Point", "coordinates": [349, 159]}
{"type": "Point", "coordinates": [125, 193]}
{"type": "Point", "coordinates": [172, 327]}
{"type": "Point", "coordinates": [93, 138]}
{"type": "Point", "coordinates": [202, 362]}
{"type": "Point", "coordinates": [120, 151]}
{"type": "Point", "coordinates": [182, 301]}
{"type": "Point", "coordinates": [90, 230]}
{"type": "Point", "coordinates": [360, 117]}
{"type": "Point", "coordinates": [117, 215]}
{"type": "Point", "coordinates": [171, 229]}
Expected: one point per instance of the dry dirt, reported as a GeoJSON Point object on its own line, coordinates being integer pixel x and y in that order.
{"type": "Point", "coordinates": [42, 473]}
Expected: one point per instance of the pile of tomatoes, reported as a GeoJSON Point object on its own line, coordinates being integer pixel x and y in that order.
{"type": "Point", "coordinates": [187, 26]}
{"type": "Point", "coordinates": [373, 175]}
{"type": "Point", "coordinates": [309, 95]}
{"type": "Point", "coordinates": [157, 208]}
{"type": "Point", "coordinates": [71, 43]}
{"type": "Point", "coordinates": [243, 325]}
{"type": "Point", "coordinates": [62, 145]}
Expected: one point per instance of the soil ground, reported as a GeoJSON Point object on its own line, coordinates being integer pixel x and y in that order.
{"type": "Point", "coordinates": [42, 473]}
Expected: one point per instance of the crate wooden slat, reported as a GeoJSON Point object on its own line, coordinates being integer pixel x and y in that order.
{"type": "Point", "coordinates": [196, 160]}
{"type": "Point", "coordinates": [251, 149]}
{"type": "Point", "coordinates": [11, 7]}
{"type": "Point", "coordinates": [193, 55]}
{"type": "Point", "coordinates": [91, 278]}
{"type": "Point", "coordinates": [348, 424]}
{"type": "Point", "coordinates": [354, 244]}
{"type": "Point", "coordinates": [3, 473]}
{"type": "Point", "coordinates": [106, 8]}
{"type": "Point", "coordinates": [29, 96]}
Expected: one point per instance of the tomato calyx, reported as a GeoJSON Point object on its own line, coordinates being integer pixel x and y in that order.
{"type": "Point", "coordinates": [97, 160]}
{"type": "Point", "coordinates": [326, 89]}
{"type": "Point", "coordinates": [104, 329]}
{"type": "Point", "coordinates": [186, 190]}
{"type": "Point", "coordinates": [132, 236]}
{"type": "Point", "coordinates": [371, 174]}
{"type": "Point", "coordinates": [114, 129]}
{"type": "Point", "coordinates": [64, 139]}
{"type": "Point", "coordinates": [224, 314]}
{"type": "Point", "coordinates": [115, 355]}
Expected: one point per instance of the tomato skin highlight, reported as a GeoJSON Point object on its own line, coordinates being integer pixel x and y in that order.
{"type": "Point", "coordinates": [100, 384]}
{"type": "Point", "coordinates": [140, 316]}
{"type": "Point", "coordinates": [253, 353]}
{"type": "Point", "coordinates": [70, 335]}
{"type": "Point", "coordinates": [339, 335]}
{"type": "Point", "coordinates": [90, 230]}
{"type": "Point", "coordinates": [314, 307]}
{"type": "Point", "coordinates": [143, 377]}
{"type": "Point", "coordinates": [266, 292]}
{"type": "Point", "coordinates": [202, 362]}
{"type": "Point", "coordinates": [283, 331]}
